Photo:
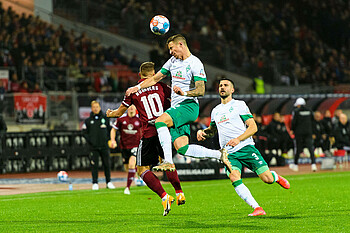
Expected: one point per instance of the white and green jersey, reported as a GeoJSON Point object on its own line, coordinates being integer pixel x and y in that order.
{"type": "Point", "coordinates": [182, 72]}
{"type": "Point", "coordinates": [229, 119]}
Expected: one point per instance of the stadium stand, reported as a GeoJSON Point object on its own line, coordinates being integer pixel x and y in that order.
{"type": "Point", "coordinates": [32, 48]}
{"type": "Point", "coordinates": [278, 41]}
{"type": "Point", "coordinates": [300, 42]}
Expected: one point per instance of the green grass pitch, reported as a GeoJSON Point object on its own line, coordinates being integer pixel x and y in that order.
{"type": "Point", "coordinates": [318, 202]}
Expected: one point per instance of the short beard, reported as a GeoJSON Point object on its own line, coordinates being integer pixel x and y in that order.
{"type": "Point", "coordinates": [224, 96]}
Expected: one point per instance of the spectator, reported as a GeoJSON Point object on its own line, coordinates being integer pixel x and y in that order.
{"type": "Point", "coordinates": [342, 132]}
{"type": "Point", "coordinates": [3, 129]}
{"type": "Point", "coordinates": [14, 84]}
{"type": "Point", "coordinates": [24, 88]}
{"type": "Point", "coordinates": [134, 63]}
{"type": "Point", "coordinates": [319, 135]}
{"type": "Point", "coordinates": [2, 87]}
{"type": "Point", "coordinates": [274, 132]}
{"type": "Point", "coordinates": [335, 119]}
{"type": "Point", "coordinates": [327, 122]}
{"type": "Point", "coordinates": [37, 88]}
{"type": "Point", "coordinates": [287, 142]}
{"type": "Point", "coordinates": [260, 138]}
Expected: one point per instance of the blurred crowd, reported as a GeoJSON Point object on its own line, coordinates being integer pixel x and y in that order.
{"type": "Point", "coordinates": [329, 133]}
{"type": "Point", "coordinates": [289, 43]}
{"type": "Point", "coordinates": [285, 43]}
{"type": "Point", "coordinates": [29, 46]}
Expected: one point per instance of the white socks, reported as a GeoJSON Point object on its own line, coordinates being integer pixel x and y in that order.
{"type": "Point", "coordinates": [245, 194]}
{"type": "Point", "coordinates": [197, 151]}
{"type": "Point", "coordinates": [275, 176]}
{"type": "Point", "coordinates": [165, 141]}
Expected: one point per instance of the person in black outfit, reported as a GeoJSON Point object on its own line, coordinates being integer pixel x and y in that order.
{"type": "Point", "coordinates": [287, 142]}
{"type": "Point", "coordinates": [342, 132]}
{"type": "Point", "coordinates": [3, 129]}
{"type": "Point", "coordinates": [260, 138]}
{"type": "Point", "coordinates": [319, 134]}
{"type": "Point", "coordinates": [96, 130]}
{"type": "Point", "coordinates": [302, 119]}
{"type": "Point", "coordinates": [274, 132]}
{"type": "Point", "coordinates": [327, 123]}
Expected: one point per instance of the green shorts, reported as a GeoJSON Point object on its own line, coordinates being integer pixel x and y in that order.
{"type": "Point", "coordinates": [182, 114]}
{"type": "Point", "coordinates": [249, 157]}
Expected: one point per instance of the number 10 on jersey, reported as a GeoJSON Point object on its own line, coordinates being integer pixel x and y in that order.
{"type": "Point", "coordinates": [149, 103]}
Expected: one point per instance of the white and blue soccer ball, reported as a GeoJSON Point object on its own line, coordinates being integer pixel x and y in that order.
{"type": "Point", "coordinates": [139, 182]}
{"type": "Point", "coordinates": [62, 176]}
{"type": "Point", "coordinates": [159, 25]}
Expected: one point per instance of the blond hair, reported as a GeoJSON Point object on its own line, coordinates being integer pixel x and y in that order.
{"type": "Point", "coordinates": [94, 102]}
{"type": "Point", "coordinates": [176, 38]}
{"type": "Point", "coordinates": [146, 68]}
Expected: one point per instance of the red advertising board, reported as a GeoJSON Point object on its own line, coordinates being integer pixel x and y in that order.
{"type": "Point", "coordinates": [30, 108]}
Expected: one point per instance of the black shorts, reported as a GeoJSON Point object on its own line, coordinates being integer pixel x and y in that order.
{"type": "Point", "coordinates": [148, 152]}
{"type": "Point", "coordinates": [127, 153]}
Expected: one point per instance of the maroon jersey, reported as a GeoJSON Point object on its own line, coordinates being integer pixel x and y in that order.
{"type": "Point", "coordinates": [150, 103]}
{"type": "Point", "coordinates": [130, 131]}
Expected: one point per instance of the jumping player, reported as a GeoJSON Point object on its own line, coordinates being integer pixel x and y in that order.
{"type": "Point", "coordinates": [174, 124]}
{"type": "Point", "coordinates": [151, 103]}
{"type": "Point", "coordinates": [236, 126]}
{"type": "Point", "coordinates": [129, 127]}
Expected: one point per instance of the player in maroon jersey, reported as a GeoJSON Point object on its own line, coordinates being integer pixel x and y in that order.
{"type": "Point", "coordinates": [151, 102]}
{"type": "Point", "coordinates": [129, 127]}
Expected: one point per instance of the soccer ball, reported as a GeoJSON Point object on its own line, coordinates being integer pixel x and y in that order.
{"type": "Point", "coordinates": [139, 182]}
{"type": "Point", "coordinates": [159, 25]}
{"type": "Point", "coordinates": [62, 176]}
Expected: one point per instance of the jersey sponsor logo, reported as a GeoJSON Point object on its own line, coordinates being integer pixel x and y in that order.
{"type": "Point", "coordinates": [223, 119]}
{"type": "Point", "coordinates": [130, 130]}
{"type": "Point", "coordinates": [304, 113]}
{"type": "Point", "coordinates": [178, 75]}
{"type": "Point", "coordinates": [151, 88]}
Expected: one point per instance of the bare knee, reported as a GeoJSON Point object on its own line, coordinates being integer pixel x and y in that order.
{"type": "Point", "coordinates": [235, 175]}
{"type": "Point", "coordinates": [267, 177]}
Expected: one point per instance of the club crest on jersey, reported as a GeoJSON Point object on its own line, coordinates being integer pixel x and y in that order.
{"type": "Point", "coordinates": [188, 68]}
{"type": "Point", "coordinates": [178, 75]}
{"type": "Point", "coordinates": [223, 119]}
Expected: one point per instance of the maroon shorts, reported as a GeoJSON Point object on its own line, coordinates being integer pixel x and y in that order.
{"type": "Point", "coordinates": [149, 151]}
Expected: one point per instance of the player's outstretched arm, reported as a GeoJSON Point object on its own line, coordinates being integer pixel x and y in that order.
{"type": "Point", "coordinates": [116, 113]}
{"type": "Point", "coordinates": [250, 131]}
{"type": "Point", "coordinates": [147, 83]}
